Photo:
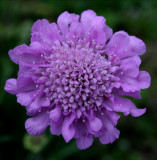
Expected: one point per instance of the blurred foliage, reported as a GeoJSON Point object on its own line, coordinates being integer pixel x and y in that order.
{"type": "Point", "coordinates": [138, 138]}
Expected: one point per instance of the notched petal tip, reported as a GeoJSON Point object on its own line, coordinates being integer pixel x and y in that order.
{"type": "Point", "coordinates": [84, 142]}
{"type": "Point", "coordinates": [37, 125]}
{"type": "Point", "coordinates": [37, 26]}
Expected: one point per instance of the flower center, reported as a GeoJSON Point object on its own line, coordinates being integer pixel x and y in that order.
{"type": "Point", "coordinates": [76, 77]}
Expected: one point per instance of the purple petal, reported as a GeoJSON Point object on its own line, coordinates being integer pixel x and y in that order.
{"type": "Point", "coordinates": [124, 45]}
{"type": "Point", "coordinates": [37, 125]}
{"type": "Point", "coordinates": [136, 46]}
{"type": "Point", "coordinates": [75, 32]}
{"type": "Point", "coordinates": [48, 35]}
{"type": "Point", "coordinates": [112, 116]}
{"type": "Point", "coordinates": [142, 81]}
{"type": "Point", "coordinates": [64, 21]}
{"type": "Point", "coordinates": [120, 92]}
{"type": "Point", "coordinates": [129, 88]}
{"type": "Point", "coordinates": [86, 19]}
{"type": "Point", "coordinates": [108, 31]}
{"type": "Point", "coordinates": [38, 25]}
{"type": "Point", "coordinates": [25, 83]}
{"type": "Point", "coordinates": [95, 124]}
{"type": "Point", "coordinates": [11, 86]}
{"type": "Point", "coordinates": [26, 68]}
{"type": "Point", "coordinates": [68, 130]}
{"type": "Point", "coordinates": [130, 66]}
{"type": "Point", "coordinates": [96, 30]}
{"type": "Point", "coordinates": [127, 107]}
{"type": "Point", "coordinates": [38, 103]}
{"type": "Point", "coordinates": [56, 128]}
{"type": "Point", "coordinates": [25, 54]}
{"type": "Point", "coordinates": [55, 113]}
{"type": "Point", "coordinates": [25, 98]}
{"type": "Point", "coordinates": [118, 43]}
{"type": "Point", "coordinates": [84, 142]}
{"type": "Point", "coordinates": [110, 133]}
{"type": "Point", "coordinates": [107, 103]}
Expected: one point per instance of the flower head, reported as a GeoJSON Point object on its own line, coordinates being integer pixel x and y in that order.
{"type": "Point", "coordinates": [73, 77]}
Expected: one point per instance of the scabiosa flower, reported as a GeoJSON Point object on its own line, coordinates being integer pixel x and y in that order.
{"type": "Point", "coordinates": [74, 75]}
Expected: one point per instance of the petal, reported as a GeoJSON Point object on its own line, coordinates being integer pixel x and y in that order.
{"type": "Point", "coordinates": [68, 130]}
{"type": "Point", "coordinates": [25, 54]}
{"type": "Point", "coordinates": [120, 92]}
{"type": "Point", "coordinates": [56, 128]}
{"type": "Point", "coordinates": [110, 133]}
{"type": "Point", "coordinates": [55, 113]}
{"type": "Point", "coordinates": [95, 124]}
{"type": "Point", "coordinates": [75, 32]}
{"type": "Point", "coordinates": [26, 68]}
{"type": "Point", "coordinates": [107, 103]}
{"type": "Point", "coordinates": [11, 86]}
{"type": "Point", "coordinates": [64, 21]}
{"type": "Point", "coordinates": [109, 136]}
{"type": "Point", "coordinates": [118, 43]}
{"type": "Point", "coordinates": [38, 103]}
{"type": "Point", "coordinates": [96, 30]}
{"type": "Point", "coordinates": [112, 116]}
{"type": "Point", "coordinates": [124, 45]}
{"type": "Point", "coordinates": [108, 31]}
{"type": "Point", "coordinates": [130, 66]}
{"type": "Point", "coordinates": [129, 88]}
{"type": "Point", "coordinates": [142, 81]}
{"type": "Point", "coordinates": [84, 142]}
{"type": "Point", "coordinates": [38, 25]}
{"type": "Point", "coordinates": [136, 46]}
{"type": "Point", "coordinates": [86, 19]}
{"type": "Point", "coordinates": [127, 107]}
{"type": "Point", "coordinates": [25, 98]}
{"type": "Point", "coordinates": [37, 125]}
{"type": "Point", "coordinates": [25, 83]}
{"type": "Point", "coordinates": [47, 36]}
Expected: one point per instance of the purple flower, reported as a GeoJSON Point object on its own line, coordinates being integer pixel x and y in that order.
{"type": "Point", "coordinates": [73, 77]}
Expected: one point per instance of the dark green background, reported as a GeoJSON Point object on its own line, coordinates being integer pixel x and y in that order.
{"type": "Point", "coordinates": [138, 138]}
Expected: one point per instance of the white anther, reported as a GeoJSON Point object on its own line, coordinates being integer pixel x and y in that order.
{"type": "Point", "coordinates": [33, 62]}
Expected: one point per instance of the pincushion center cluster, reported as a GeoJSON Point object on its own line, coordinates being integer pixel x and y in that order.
{"type": "Point", "coordinates": [76, 77]}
